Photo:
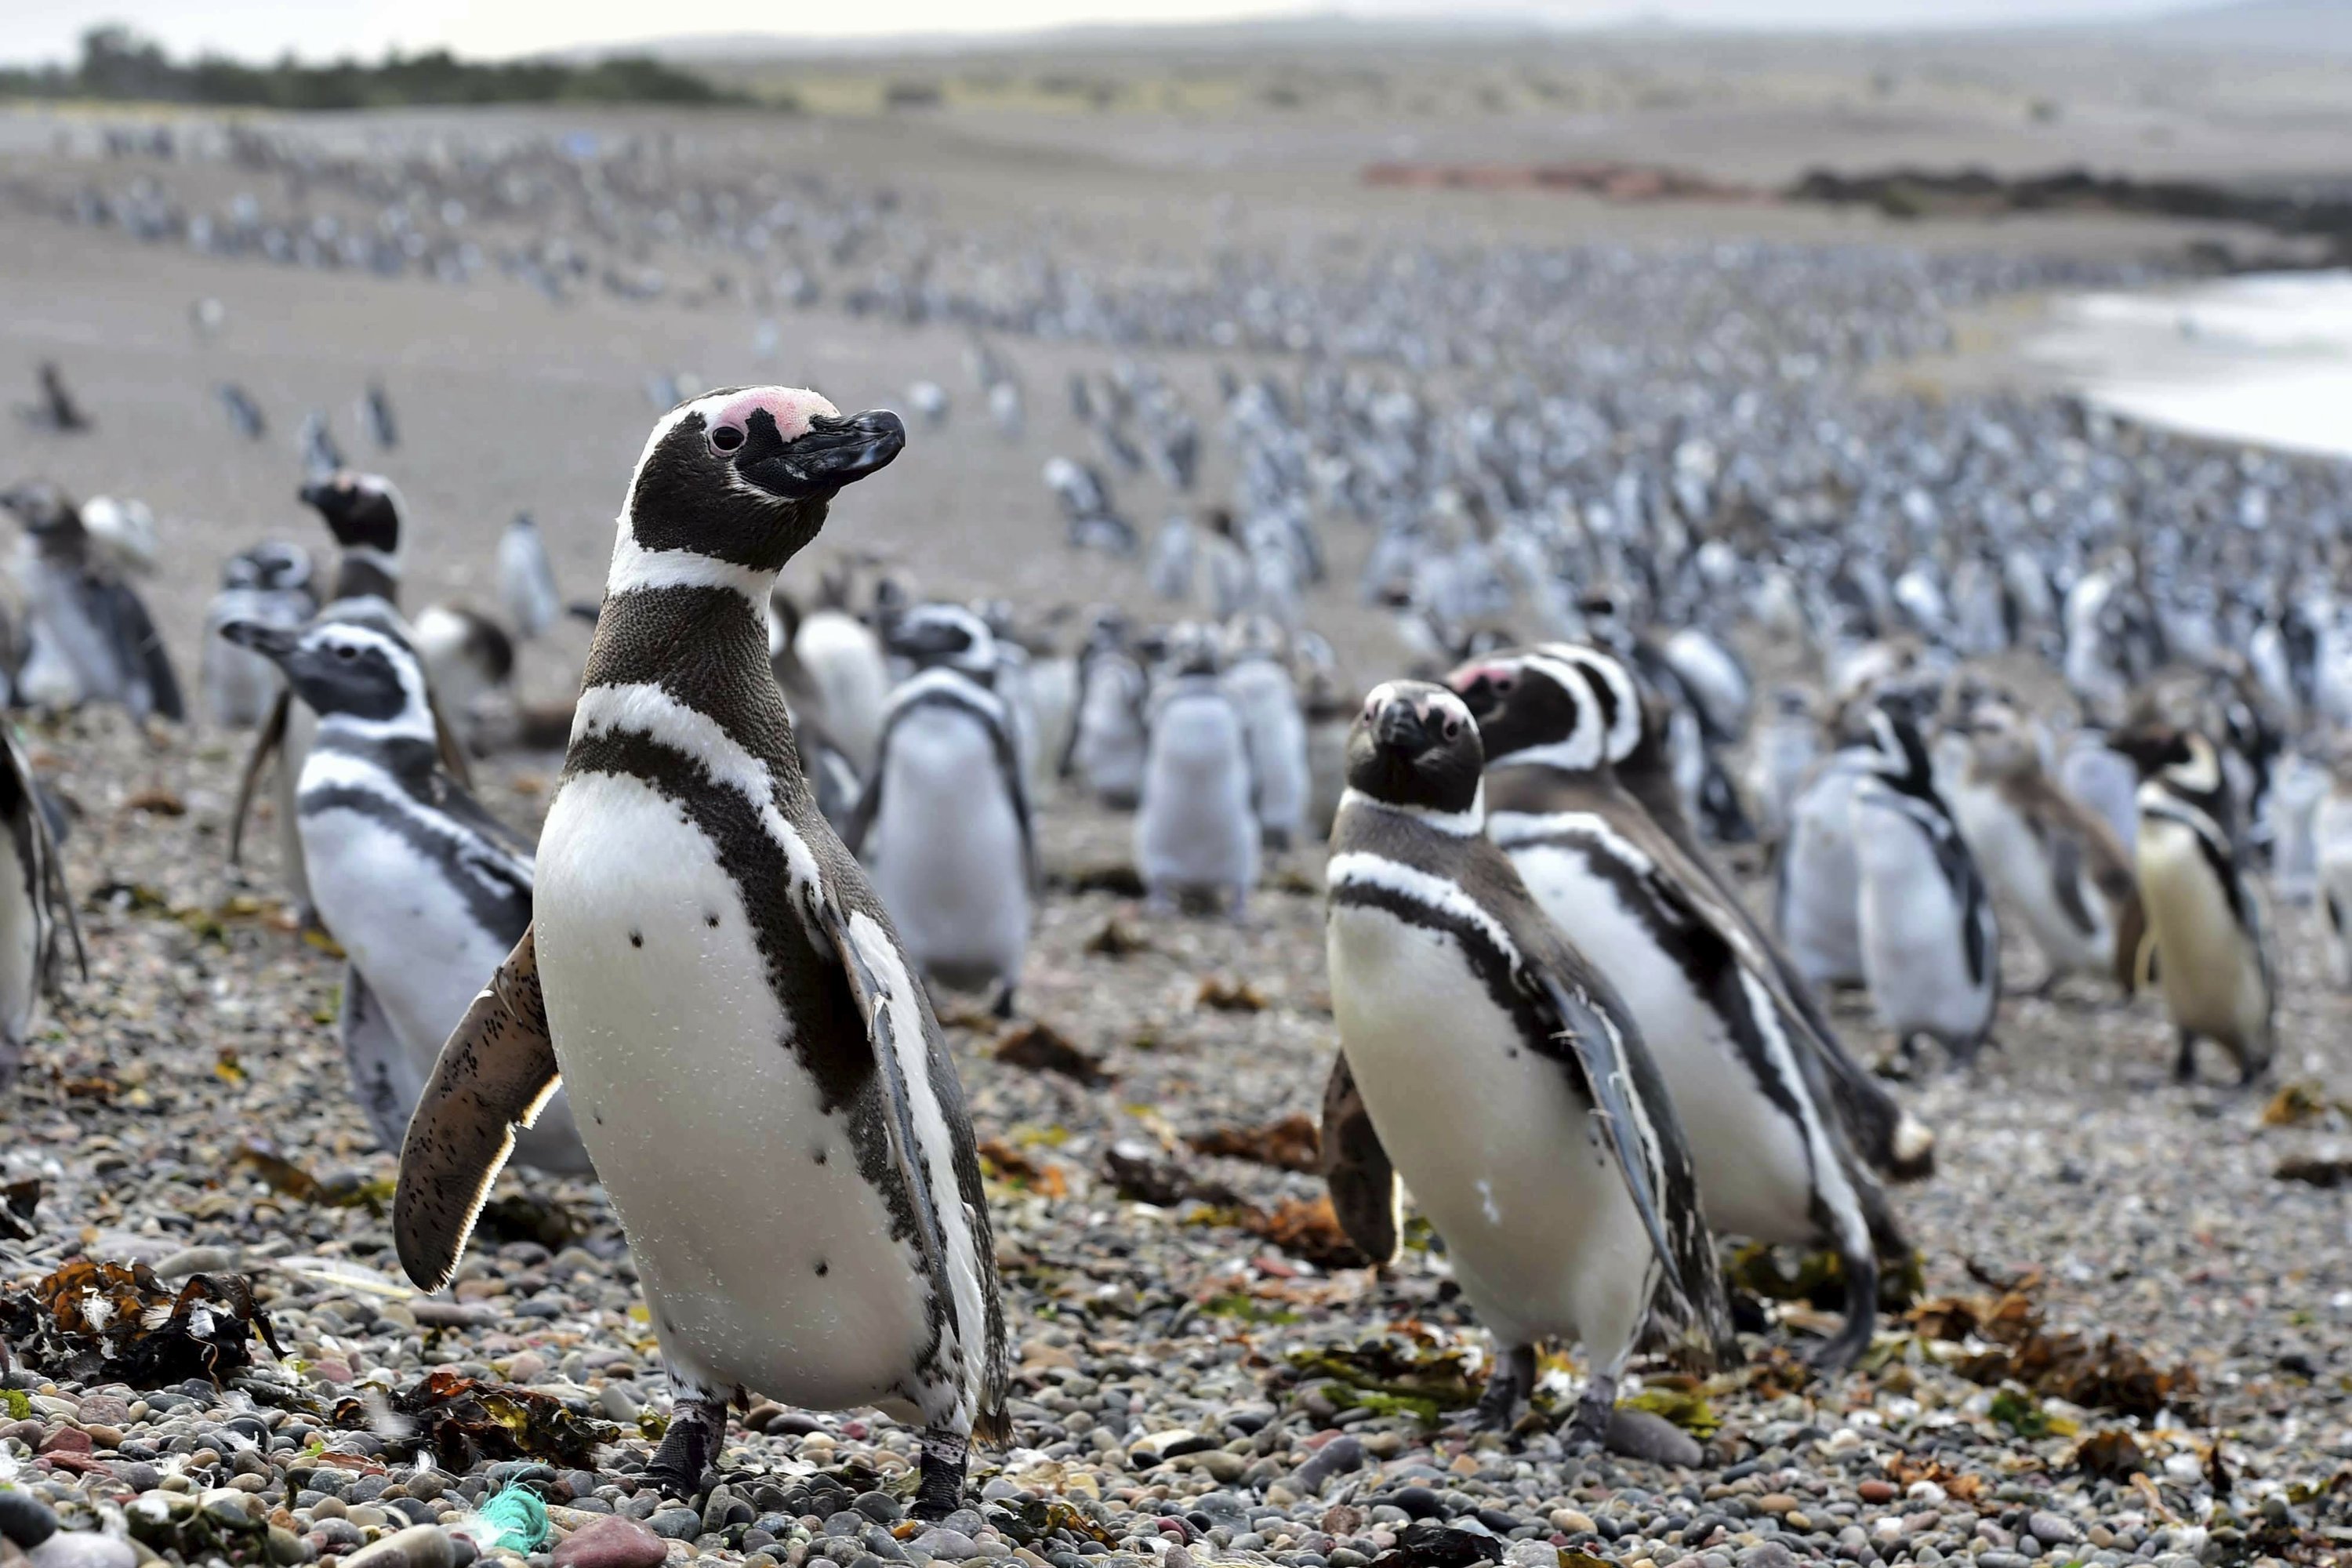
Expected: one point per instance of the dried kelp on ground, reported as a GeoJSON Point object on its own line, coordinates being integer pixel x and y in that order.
{"type": "Point", "coordinates": [107, 1323]}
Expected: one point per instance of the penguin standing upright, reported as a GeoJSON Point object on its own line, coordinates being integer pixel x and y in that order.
{"type": "Point", "coordinates": [526, 579]}
{"type": "Point", "coordinates": [35, 906]}
{"type": "Point", "coordinates": [1196, 831]}
{"type": "Point", "coordinates": [1633, 737]}
{"type": "Point", "coordinates": [1784, 750]}
{"type": "Point", "coordinates": [1748, 1079]}
{"type": "Point", "coordinates": [2047, 857]}
{"type": "Point", "coordinates": [424, 890]}
{"type": "Point", "coordinates": [89, 636]}
{"type": "Point", "coordinates": [944, 826]}
{"type": "Point", "coordinates": [1501, 1078]}
{"type": "Point", "coordinates": [2212, 954]}
{"type": "Point", "coordinates": [754, 1066]}
{"type": "Point", "coordinates": [1108, 741]}
{"type": "Point", "coordinates": [848, 669]}
{"type": "Point", "coordinates": [1930, 941]}
{"type": "Point", "coordinates": [268, 585]}
{"type": "Point", "coordinates": [1817, 880]}
{"type": "Point", "coordinates": [2332, 837]}
{"type": "Point", "coordinates": [1259, 683]}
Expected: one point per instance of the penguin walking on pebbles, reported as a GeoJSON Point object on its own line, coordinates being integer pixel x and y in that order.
{"type": "Point", "coordinates": [424, 890]}
{"type": "Point", "coordinates": [35, 906]}
{"type": "Point", "coordinates": [1502, 1078]}
{"type": "Point", "coordinates": [1930, 941]}
{"type": "Point", "coordinates": [269, 585]}
{"type": "Point", "coordinates": [2212, 952]}
{"type": "Point", "coordinates": [944, 825]}
{"type": "Point", "coordinates": [1108, 742]}
{"type": "Point", "coordinates": [754, 1066]}
{"type": "Point", "coordinates": [2049, 858]}
{"type": "Point", "coordinates": [1747, 1078]}
{"type": "Point", "coordinates": [1197, 832]}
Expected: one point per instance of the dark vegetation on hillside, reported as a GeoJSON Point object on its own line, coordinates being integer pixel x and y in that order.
{"type": "Point", "coordinates": [117, 64]}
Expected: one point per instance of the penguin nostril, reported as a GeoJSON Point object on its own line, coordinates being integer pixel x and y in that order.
{"type": "Point", "coordinates": [727, 439]}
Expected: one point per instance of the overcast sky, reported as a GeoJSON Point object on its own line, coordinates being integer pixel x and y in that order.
{"type": "Point", "coordinates": [47, 29]}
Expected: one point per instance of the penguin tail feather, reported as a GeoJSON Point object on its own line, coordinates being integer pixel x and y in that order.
{"type": "Point", "coordinates": [992, 1423]}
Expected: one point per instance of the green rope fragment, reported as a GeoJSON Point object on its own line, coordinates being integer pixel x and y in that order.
{"type": "Point", "coordinates": [515, 1520]}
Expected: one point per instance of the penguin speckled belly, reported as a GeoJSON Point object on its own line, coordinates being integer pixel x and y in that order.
{"type": "Point", "coordinates": [1748, 1079]}
{"type": "Point", "coordinates": [425, 889]}
{"type": "Point", "coordinates": [2212, 955]}
{"type": "Point", "coordinates": [752, 1060]}
{"type": "Point", "coordinates": [1501, 1080]}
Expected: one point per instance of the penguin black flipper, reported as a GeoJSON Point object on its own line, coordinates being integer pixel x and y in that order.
{"type": "Point", "coordinates": [266, 744]}
{"type": "Point", "coordinates": [495, 1074]}
{"type": "Point", "coordinates": [140, 647]}
{"type": "Point", "coordinates": [1637, 1115]}
{"type": "Point", "coordinates": [892, 1028]}
{"type": "Point", "coordinates": [1355, 1166]}
{"type": "Point", "coordinates": [444, 740]}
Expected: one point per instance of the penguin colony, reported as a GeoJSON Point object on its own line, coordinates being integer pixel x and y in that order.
{"type": "Point", "coordinates": [791, 806]}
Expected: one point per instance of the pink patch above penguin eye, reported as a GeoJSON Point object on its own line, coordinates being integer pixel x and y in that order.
{"type": "Point", "coordinates": [727, 439]}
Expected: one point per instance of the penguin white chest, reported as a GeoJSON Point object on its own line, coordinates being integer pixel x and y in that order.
{"type": "Point", "coordinates": [409, 931]}
{"type": "Point", "coordinates": [946, 851]}
{"type": "Point", "coordinates": [1491, 1138]}
{"type": "Point", "coordinates": [767, 1259]}
{"type": "Point", "coordinates": [1754, 1172]}
{"type": "Point", "coordinates": [2209, 969]}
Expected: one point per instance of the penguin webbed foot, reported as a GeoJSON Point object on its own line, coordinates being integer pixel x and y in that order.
{"type": "Point", "coordinates": [1002, 1008]}
{"type": "Point", "coordinates": [678, 1467]}
{"type": "Point", "coordinates": [1507, 1387]}
{"type": "Point", "coordinates": [1587, 1431]}
{"type": "Point", "coordinates": [1835, 1354]}
{"type": "Point", "coordinates": [2184, 1060]}
{"type": "Point", "coordinates": [939, 1491]}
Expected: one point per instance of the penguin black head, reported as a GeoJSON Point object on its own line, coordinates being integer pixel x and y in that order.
{"type": "Point", "coordinates": [1532, 708]}
{"type": "Point", "coordinates": [744, 475]}
{"type": "Point", "coordinates": [1415, 744]}
{"type": "Point", "coordinates": [948, 637]}
{"type": "Point", "coordinates": [361, 510]}
{"type": "Point", "coordinates": [1632, 720]}
{"type": "Point", "coordinates": [345, 670]}
{"type": "Point", "coordinates": [2153, 748]}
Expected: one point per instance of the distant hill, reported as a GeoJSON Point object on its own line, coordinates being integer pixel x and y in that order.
{"type": "Point", "coordinates": [1316, 29]}
{"type": "Point", "coordinates": [2305, 26]}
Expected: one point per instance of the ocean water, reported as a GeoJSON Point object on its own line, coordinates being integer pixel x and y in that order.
{"type": "Point", "coordinates": [2265, 360]}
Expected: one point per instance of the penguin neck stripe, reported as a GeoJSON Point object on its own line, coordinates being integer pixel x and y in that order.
{"type": "Point", "coordinates": [1361, 868]}
{"type": "Point", "coordinates": [1512, 829]}
{"type": "Point", "coordinates": [1468, 823]}
{"type": "Point", "coordinates": [943, 685]}
{"type": "Point", "coordinates": [649, 710]}
{"type": "Point", "coordinates": [634, 568]}
{"type": "Point", "coordinates": [1579, 753]}
{"type": "Point", "coordinates": [414, 722]}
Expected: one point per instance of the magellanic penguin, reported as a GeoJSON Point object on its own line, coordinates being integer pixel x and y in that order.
{"type": "Point", "coordinates": [944, 826]}
{"type": "Point", "coordinates": [1930, 939]}
{"type": "Point", "coordinates": [2212, 957]}
{"type": "Point", "coordinates": [1748, 1080]}
{"type": "Point", "coordinates": [1195, 831]}
{"type": "Point", "coordinates": [526, 579]}
{"type": "Point", "coordinates": [269, 585]}
{"type": "Point", "coordinates": [1504, 1080]}
{"type": "Point", "coordinates": [362, 512]}
{"type": "Point", "coordinates": [1257, 678]}
{"type": "Point", "coordinates": [35, 906]}
{"type": "Point", "coordinates": [424, 890]}
{"type": "Point", "coordinates": [89, 636]}
{"type": "Point", "coordinates": [1895, 1143]}
{"type": "Point", "coordinates": [754, 1064]}
{"type": "Point", "coordinates": [2048, 858]}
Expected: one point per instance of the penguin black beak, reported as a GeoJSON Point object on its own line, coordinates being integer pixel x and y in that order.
{"type": "Point", "coordinates": [275, 644]}
{"type": "Point", "coordinates": [316, 494]}
{"type": "Point", "coordinates": [1401, 731]}
{"type": "Point", "coordinates": [834, 453]}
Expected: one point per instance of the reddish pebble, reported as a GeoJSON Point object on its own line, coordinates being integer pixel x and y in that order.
{"type": "Point", "coordinates": [1877, 1492]}
{"type": "Point", "coordinates": [66, 1440]}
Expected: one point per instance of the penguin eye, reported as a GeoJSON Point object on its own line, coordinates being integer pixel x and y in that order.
{"type": "Point", "coordinates": [1451, 728]}
{"type": "Point", "coordinates": [1505, 683]}
{"type": "Point", "coordinates": [345, 651]}
{"type": "Point", "coordinates": [727, 439]}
